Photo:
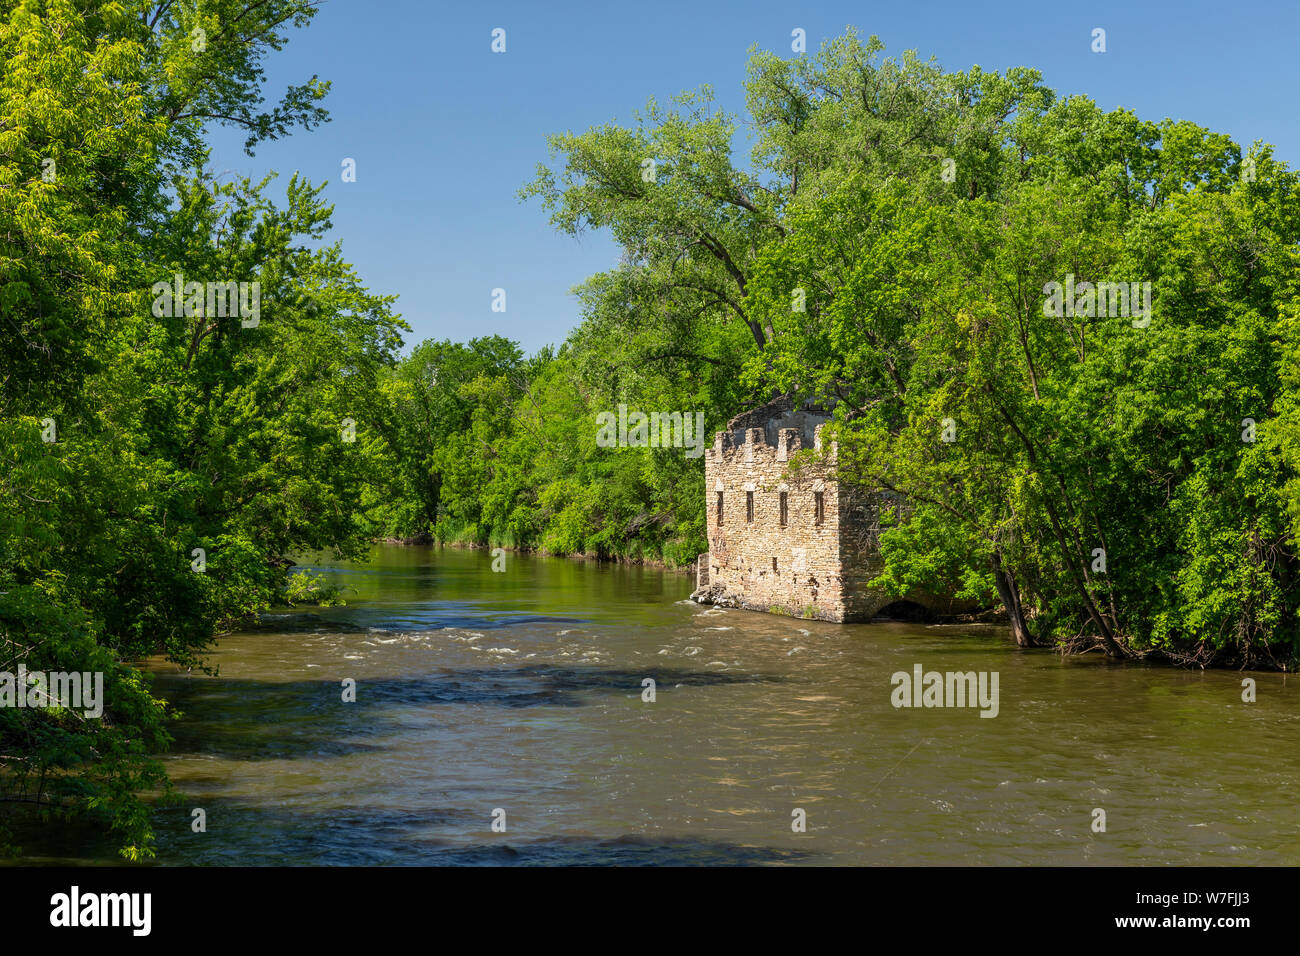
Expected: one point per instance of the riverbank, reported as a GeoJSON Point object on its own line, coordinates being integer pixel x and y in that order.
{"type": "Point", "coordinates": [650, 562]}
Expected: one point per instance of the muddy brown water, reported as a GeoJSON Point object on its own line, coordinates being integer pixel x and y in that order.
{"type": "Point", "coordinates": [522, 692]}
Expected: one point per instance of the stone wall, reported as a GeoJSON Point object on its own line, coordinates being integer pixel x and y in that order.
{"type": "Point", "coordinates": [792, 569]}
{"type": "Point", "coordinates": [860, 552]}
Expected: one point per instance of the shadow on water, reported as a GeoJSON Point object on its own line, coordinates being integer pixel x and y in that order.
{"type": "Point", "coordinates": [263, 720]}
{"type": "Point", "coordinates": [246, 834]}
{"type": "Point", "coordinates": [354, 836]}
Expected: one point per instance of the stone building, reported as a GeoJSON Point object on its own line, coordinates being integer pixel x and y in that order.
{"type": "Point", "coordinates": [799, 543]}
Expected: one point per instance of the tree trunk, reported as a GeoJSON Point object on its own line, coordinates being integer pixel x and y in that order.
{"type": "Point", "coordinates": [1113, 648]}
{"type": "Point", "coordinates": [434, 498]}
{"type": "Point", "coordinates": [1010, 595]}
{"type": "Point", "coordinates": [1107, 635]}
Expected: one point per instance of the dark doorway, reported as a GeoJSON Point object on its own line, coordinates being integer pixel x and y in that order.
{"type": "Point", "coordinates": [905, 611]}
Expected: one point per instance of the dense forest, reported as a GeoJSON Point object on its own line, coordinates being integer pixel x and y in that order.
{"type": "Point", "coordinates": [1069, 337]}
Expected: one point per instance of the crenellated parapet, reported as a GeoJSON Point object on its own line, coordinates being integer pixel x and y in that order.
{"type": "Point", "coordinates": [749, 445]}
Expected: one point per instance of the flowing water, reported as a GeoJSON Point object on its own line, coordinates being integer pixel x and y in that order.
{"type": "Point", "coordinates": [519, 694]}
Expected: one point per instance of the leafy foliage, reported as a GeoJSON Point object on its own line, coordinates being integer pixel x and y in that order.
{"type": "Point", "coordinates": [133, 434]}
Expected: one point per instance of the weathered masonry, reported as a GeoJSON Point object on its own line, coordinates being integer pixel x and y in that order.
{"type": "Point", "coordinates": [802, 544]}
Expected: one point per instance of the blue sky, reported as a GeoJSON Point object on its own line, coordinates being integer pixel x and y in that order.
{"type": "Point", "coordinates": [444, 131]}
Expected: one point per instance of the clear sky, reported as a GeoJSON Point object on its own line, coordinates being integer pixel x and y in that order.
{"type": "Point", "coordinates": [444, 131]}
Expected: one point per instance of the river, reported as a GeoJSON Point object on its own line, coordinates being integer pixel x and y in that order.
{"type": "Point", "coordinates": [521, 692]}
